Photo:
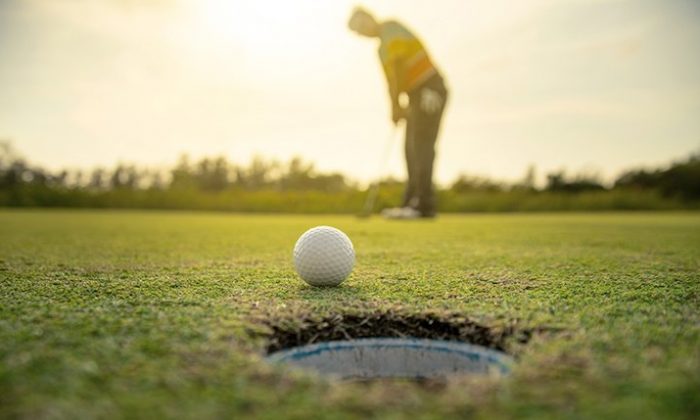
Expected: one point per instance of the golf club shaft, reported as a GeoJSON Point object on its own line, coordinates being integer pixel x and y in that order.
{"type": "Point", "coordinates": [374, 188]}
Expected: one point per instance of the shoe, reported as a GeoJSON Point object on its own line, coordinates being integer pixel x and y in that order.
{"type": "Point", "coordinates": [401, 213]}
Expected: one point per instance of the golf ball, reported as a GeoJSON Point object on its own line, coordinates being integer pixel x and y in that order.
{"type": "Point", "coordinates": [324, 256]}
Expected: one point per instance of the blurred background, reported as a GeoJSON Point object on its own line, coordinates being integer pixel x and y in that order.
{"type": "Point", "coordinates": [261, 105]}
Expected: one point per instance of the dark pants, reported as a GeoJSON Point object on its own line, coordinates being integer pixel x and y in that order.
{"type": "Point", "coordinates": [422, 128]}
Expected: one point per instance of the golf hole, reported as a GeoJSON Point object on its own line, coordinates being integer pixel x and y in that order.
{"type": "Point", "coordinates": [395, 358]}
{"type": "Point", "coordinates": [392, 345]}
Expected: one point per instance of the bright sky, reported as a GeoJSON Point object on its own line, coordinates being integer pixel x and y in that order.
{"type": "Point", "coordinates": [583, 84]}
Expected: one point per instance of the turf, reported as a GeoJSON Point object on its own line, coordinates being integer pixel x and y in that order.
{"type": "Point", "coordinates": [157, 314]}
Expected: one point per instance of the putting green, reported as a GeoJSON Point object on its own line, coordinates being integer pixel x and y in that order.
{"type": "Point", "coordinates": [142, 314]}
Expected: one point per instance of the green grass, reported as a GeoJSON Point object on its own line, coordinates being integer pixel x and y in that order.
{"type": "Point", "coordinates": [143, 314]}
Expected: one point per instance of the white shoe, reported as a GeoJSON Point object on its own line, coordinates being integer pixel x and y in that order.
{"type": "Point", "coordinates": [402, 213]}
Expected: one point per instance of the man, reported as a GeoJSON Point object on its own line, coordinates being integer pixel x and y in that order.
{"type": "Point", "coordinates": [410, 71]}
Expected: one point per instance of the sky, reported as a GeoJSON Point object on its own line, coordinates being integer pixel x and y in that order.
{"type": "Point", "coordinates": [593, 86]}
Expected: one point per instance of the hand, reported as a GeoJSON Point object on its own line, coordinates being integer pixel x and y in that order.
{"type": "Point", "coordinates": [398, 113]}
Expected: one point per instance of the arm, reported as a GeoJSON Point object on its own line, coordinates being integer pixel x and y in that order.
{"type": "Point", "coordinates": [397, 112]}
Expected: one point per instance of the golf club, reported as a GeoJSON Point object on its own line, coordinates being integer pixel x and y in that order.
{"type": "Point", "coordinates": [373, 190]}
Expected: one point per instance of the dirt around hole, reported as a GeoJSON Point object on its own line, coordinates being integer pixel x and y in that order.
{"type": "Point", "coordinates": [298, 331]}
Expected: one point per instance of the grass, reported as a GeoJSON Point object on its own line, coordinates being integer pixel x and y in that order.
{"type": "Point", "coordinates": [156, 314]}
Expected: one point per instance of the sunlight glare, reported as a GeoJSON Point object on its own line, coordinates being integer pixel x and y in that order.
{"type": "Point", "coordinates": [263, 27]}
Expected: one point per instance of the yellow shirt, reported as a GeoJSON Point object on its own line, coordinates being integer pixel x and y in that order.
{"type": "Point", "coordinates": [404, 59]}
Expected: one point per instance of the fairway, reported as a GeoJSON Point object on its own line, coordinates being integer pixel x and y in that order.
{"type": "Point", "coordinates": [128, 314]}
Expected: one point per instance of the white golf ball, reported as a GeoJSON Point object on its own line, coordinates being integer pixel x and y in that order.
{"type": "Point", "coordinates": [324, 256]}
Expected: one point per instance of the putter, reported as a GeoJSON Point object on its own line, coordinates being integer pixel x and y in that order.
{"type": "Point", "coordinates": [373, 191]}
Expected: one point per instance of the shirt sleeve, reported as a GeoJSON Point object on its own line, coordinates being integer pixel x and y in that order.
{"type": "Point", "coordinates": [391, 57]}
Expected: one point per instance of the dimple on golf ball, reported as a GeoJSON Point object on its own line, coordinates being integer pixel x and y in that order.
{"type": "Point", "coordinates": [324, 256]}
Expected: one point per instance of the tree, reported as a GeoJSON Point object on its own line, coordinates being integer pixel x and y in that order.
{"type": "Point", "coordinates": [681, 179]}
{"type": "Point", "coordinates": [558, 182]}
{"type": "Point", "coordinates": [467, 183]}
{"type": "Point", "coordinates": [212, 174]}
{"type": "Point", "coordinates": [182, 175]}
{"type": "Point", "coordinates": [97, 179]}
{"type": "Point", "coordinates": [125, 177]}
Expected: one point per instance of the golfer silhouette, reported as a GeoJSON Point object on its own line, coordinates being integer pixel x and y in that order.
{"type": "Point", "coordinates": [409, 71]}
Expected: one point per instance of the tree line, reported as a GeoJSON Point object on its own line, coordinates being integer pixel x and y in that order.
{"type": "Point", "coordinates": [194, 183]}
